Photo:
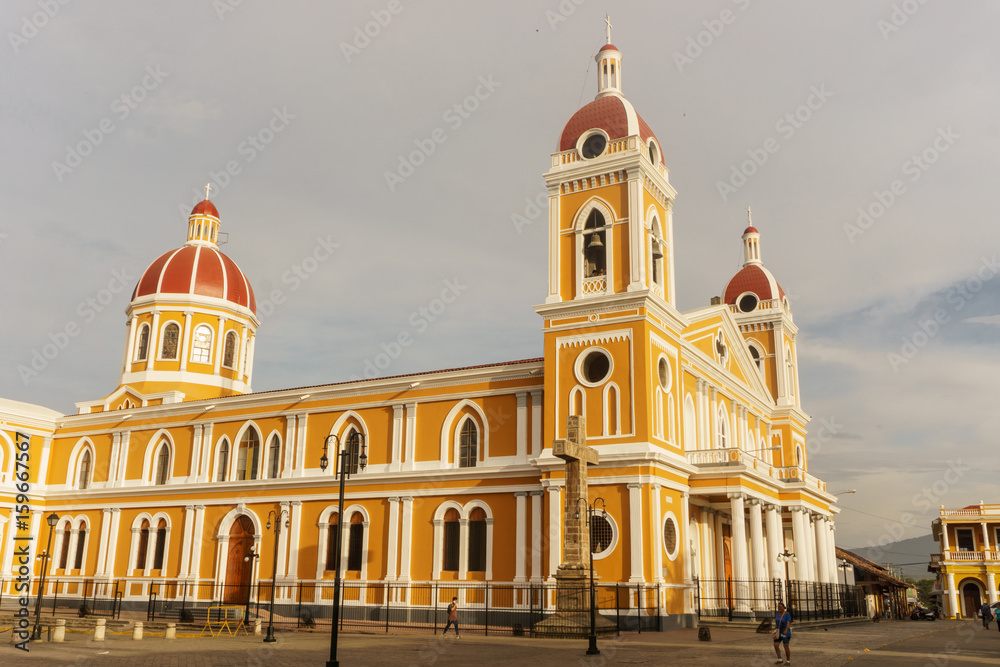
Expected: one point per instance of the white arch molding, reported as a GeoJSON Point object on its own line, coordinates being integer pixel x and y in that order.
{"type": "Point", "coordinates": [579, 222]}
{"type": "Point", "coordinates": [152, 448]}
{"type": "Point", "coordinates": [222, 541]}
{"type": "Point", "coordinates": [449, 431]}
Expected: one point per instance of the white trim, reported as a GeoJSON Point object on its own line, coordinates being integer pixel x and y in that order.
{"type": "Point", "coordinates": [73, 466]}
{"type": "Point", "coordinates": [152, 449]}
{"type": "Point", "coordinates": [615, 533]}
{"type": "Point", "coordinates": [161, 338]}
{"type": "Point", "coordinates": [450, 432]}
{"type": "Point", "coordinates": [670, 516]}
{"type": "Point", "coordinates": [234, 462]}
{"type": "Point", "coordinates": [580, 359]}
{"type": "Point", "coordinates": [138, 338]}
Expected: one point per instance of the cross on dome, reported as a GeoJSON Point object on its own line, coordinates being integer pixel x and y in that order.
{"type": "Point", "coordinates": [607, 20]}
{"type": "Point", "coordinates": [208, 190]}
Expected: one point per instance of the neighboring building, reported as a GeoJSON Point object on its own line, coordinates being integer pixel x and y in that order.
{"type": "Point", "coordinates": [886, 595]}
{"type": "Point", "coordinates": [969, 562]}
{"type": "Point", "coordinates": [696, 417]}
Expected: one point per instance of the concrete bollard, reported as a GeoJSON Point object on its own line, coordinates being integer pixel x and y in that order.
{"type": "Point", "coordinates": [137, 630]}
{"type": "Point", "coordinates": [59, 633]}
{"type": "Point", "coordinates": [256, 628]}
{"type": "Point", "coordinates": [171, 631]}
{"type": "Point", "coordinates": [99, 630]}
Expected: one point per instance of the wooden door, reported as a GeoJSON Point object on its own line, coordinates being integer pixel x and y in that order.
{"type": "Point", "coordinates": [970, 593]}
{"type": "Point", "coordinates": [239, 570]}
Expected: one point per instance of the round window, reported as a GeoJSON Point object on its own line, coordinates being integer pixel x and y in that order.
{"type": "Point", "coordinates": [603, 534]}
{"type": "Point", "coordinates": [748, 303]}
{"type": "Point", "coordinates": [594, 145]}
{"type": "Point", "coordinates": [594, 367]}
{"type": "Point", "coordinates": [670, 536]}
{"type": "Point", "coordinates": [663, 373]}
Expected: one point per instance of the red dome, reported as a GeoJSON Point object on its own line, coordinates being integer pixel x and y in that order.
{"type": "Point", "coordinates": [608, 47]}
{"type": "Point", "coordinates": [753, 278]}
{"type": "Point", "coordinates": [197, 269]}
{"type": "Point", "coordinates": [205, 207]}
{"type": "Point", "coordinates": [751, 230]}
{"type": "Point", "coordinates": [609, 113]}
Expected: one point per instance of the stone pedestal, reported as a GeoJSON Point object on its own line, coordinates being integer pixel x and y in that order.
{"type": "Point", "coordinates": [99, 630]}
{"type": "Point", "coordinates": [59, 632]}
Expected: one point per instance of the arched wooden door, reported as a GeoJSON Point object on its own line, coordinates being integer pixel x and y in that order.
{"type": "Point", "coordinates": [973, 600]}
{"type": "Point", "coordinates": [238, 570]}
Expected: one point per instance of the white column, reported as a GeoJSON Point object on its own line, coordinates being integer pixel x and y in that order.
{"type": "Point", "coordinates": [199, 527]}
{"type": "Point", "coordinates": [220, 334]}
{"type": "Point", "coordinates": [248, 365]}
{"type": "Point", "coordinates": [986, 537]}
{"type": "Point", "coordinates": [554, 268]}
{"type": "Point", "coordinates": [707, 583]}
{"type": "Point", "coordinates": [713, 416]}
{"type": "Point", "coordinates": [129, 346]}
{"type": "Point", "coordinates": [739, 533]}
{"type": "Point", "coordinates": [536, 423]}
{"type": "Point", "coordinates": [406, 539]}
{"type": "Point", "coordinates": [43, 464]}
{"type": "Point", "coordinates": [822, 552]}
{"type": "Point", "coordinates": [720, 553]}
{"type": "Point", "coordinates": [300, 445]}
{"type": "Point", "coordinates": [463, 550]}
{"type": "Point", "coordinates": [637, 246]}
{"type": "Point", "coordinates": [536, 535]}
{"type": "Point", "coordinates": [186, 339]}
{"type": "Point", "coordinates": [831, 547]}
{"type": "Point", "coordinates": [397, 439]}
{"type": "Point", "coordinates": [206, 454]}
{"type": "Point", "coordinates": [437, 548]}
{"type": "Point", "coordinates": [951, 595]}
{"type": "Point", "coordinates": [196, 445]}
{"type": "Point", "coordinates": [154, 341]}
{"type": "Point", "coordinates": [411, 436]}
{"type": "Point", "coordinates": [390, 574]}
{"type": "Point", "coordinates": [186, 541]}
{"type": "Point", "coordinates": [636, 574]}
{"type": "Point", "coordinates": [520, 535]}
{"type": "Point", "coordinates": [522, 428]}
{"type": "Point", "coordinates": [555, 529]}
{"type": "Point", "coordinates": [102, 544]}
{"type": "Point", "coordinates": [775, 542]}
{"type": "Point", "coordinates": [810, 541]}
{"type": "Point", "coordinates": [116, 515]}
{"type": "Point", "coordinates": [286, 468]}
{"type": "Point", "coordinates": [241, 360]}
{"type": "Point", "coordinates": [282, 548]}
{"type": "Point", "coordinates": [655, 492]}
{"type": "Point", "coordinates": [294, 537]}
{"type": "Point", "coordinates": [757, 541]}
{"type": "Point", "coordinates": [799, 544]}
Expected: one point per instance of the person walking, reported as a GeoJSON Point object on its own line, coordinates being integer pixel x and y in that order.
{"type": "Point", "coordinates": [452, 618]}
{"type": "Point", "coordinates": [996, 611]}
{"type": "Point", "coordinates": [986, 613]}
{"type": "Point", "coordinates": [782, 634]}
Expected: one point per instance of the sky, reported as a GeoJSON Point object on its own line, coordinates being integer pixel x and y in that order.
{"type": "Point", "coordinates": [404, 142]}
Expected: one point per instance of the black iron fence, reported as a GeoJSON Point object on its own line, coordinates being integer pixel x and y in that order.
{"type": "Point", "coordinates": [750, 600]}
{"type": "Point", "coordinates": [80, 597]}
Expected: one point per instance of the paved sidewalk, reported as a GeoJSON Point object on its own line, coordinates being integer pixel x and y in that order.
{"type": "Point", "coordinates": [887, 643]}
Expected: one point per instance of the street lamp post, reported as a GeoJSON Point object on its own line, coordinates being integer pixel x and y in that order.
{"type": "Point", "coordinates": [592, 647]}
{"type": "Point", "coordinates": [784, 557]}
{"type": "Point", "coordinates": [45, 556]}
{"type": "Point", "coordinates": [249, 558]}
{"type": "Point", "coordinates": [343, 470]}
{"type": "Point", "coordinates": [844, 566]}
{"type": "Point", "coordinates": [283, 513]}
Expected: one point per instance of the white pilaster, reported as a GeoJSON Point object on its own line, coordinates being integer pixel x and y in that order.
{"type": "Point", "coordinates": [635, 532]}
{"type": "Point", "coordinates": [520, 532]}
{"type": "Point", "coordinates": [463, 552]}
{"type": "Point", "coordinates": [522, 428]}
{"type": "Point", "coordinates": [286, 468]}
{"type": "Point", "coordinates": [411, 436]}
{"type": "Point", "coordinates": [739, 533]}
{"type": "Point", "coordinates": [536, 535]}
{"type": "Point", "coordinates": [300, 445]}
{"type": "Point", "coordinates": [196, 445]}
{"type": "Point", "coordinates": [154, 342]}
{"type": "Point", "coordinates": [397, 439]}
{"type": "Point", "coordinates": [555, 529]}
{"type": "Point", "coordinates": [536, 423]}
{"type": "Point", "coordinates": [186, 541]}
{"type": "Point", "coordinates": [283, 544]}
{"type": "Point", "coordinates": [199, 528]}
{"type": "Point", "coordinates": [220, 334]}
{"type": "Point", "coordinates": [102, 543]}
{"type": "Point", "coordinates": [406, 539]}
{"type": "Point", "coordinates": [658, 547]}
{"type": "Point", "coordinates": [391, 550]}
{"type": "Point", "coordinates": [130, 346]}
{"type": "Point", "coordinates": [294, 537]}
{"type": "Point", "coordinates": [186, 339]}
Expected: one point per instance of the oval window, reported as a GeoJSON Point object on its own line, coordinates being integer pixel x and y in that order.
{"type": "Point", "coordinates": [594, 145]}
{"type": "Point", "coordinates": [663, 373]}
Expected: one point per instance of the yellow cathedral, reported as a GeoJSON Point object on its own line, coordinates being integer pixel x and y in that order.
{"type": "Point", "coordinates": [696, 417]}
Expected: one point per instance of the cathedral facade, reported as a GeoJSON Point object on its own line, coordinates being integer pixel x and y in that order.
{"type": "Point", "coordinates": [696, 418]}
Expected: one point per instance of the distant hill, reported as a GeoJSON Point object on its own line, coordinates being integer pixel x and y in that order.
{"type": "Point", "coordinates": [914, 550]}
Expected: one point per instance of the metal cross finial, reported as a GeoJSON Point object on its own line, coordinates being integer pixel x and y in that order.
{"type": "Point", "coordinates": [607, 19]}
{"type": "Point", "coordinates": [208, 190]}
{"type": "Point", "coordinates": [749, 218]}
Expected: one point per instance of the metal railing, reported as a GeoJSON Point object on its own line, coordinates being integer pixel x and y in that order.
{"type": "Point", "coordinates": [753, 600]}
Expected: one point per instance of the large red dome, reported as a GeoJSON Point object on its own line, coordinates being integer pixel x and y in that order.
{"type": "Point", "coordinates": [753, 278]}
{"type": "Point", "coordinates": [611, 113]}
{"type": "Point", "coordinates": [197, 269]}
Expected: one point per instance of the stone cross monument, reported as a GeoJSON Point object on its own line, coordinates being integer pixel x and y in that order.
{"type": "Point", "coordinates": [576, 534]}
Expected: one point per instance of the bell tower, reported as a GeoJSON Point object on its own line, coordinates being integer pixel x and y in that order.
{"type": "Point", "coordinates": [611, 287]}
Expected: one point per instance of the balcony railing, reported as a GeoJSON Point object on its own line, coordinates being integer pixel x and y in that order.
{"type": "Point", "coordinates": [970, 556]}
{"type": "Point", "coordinates": [735, 456]}
{"type": "Point", "coordinates": [981, 510]}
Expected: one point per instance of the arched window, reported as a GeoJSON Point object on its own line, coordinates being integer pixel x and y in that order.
{"type": "Point", "coordinates": [201, 347]}
{"type": "Point", "coordinates": [229, 358]}
{"type": "Point", "coordinates": [162, 465]}
{"type": "Point", "coordinates": [468, 445]}
{"type": "Point", "coordinates": [84, 477]}
{"type": "Point", "coordinates": [274, 457]}
{"type": "Point", "coordinates": [594, 246]}
{"type": "Point", "coordinates": [477, 540]}
{"type": "Point", "coordinates": [353, 444]}
{"type": "Point", "coordinates": [222, 467]}
{"type": "Point", "coordinates": [64, 551]}
{"type": "Point", "coordinates": [452, 535]}
{"type": "Point", "coordinates": [140, 559]}
{"type": "Point", "coordinates": [81, 542]}
{"type": "Point", "coordinates": [656, 252]}
{"type": "Point", "coordinates": [142, 347]}
{"type": "Point", "coordinates": [331, 541]}
{"type": "Point", "coordinates": [690, 425]}
{"type": "Point", "coordinates": [756, 356]}
{"type": "Point", "coordinates": [161, 542]}
{"type": "Point", "coordinates": [722, 428]}
{"type": "Point", "coordinates": [790, 365]}
{"type": "Point", "coordinates": [171, 336]}
{"type": "Point", "coordinates": [249, 455]}
{"type": "Point", "coordinates": [356, 541]}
